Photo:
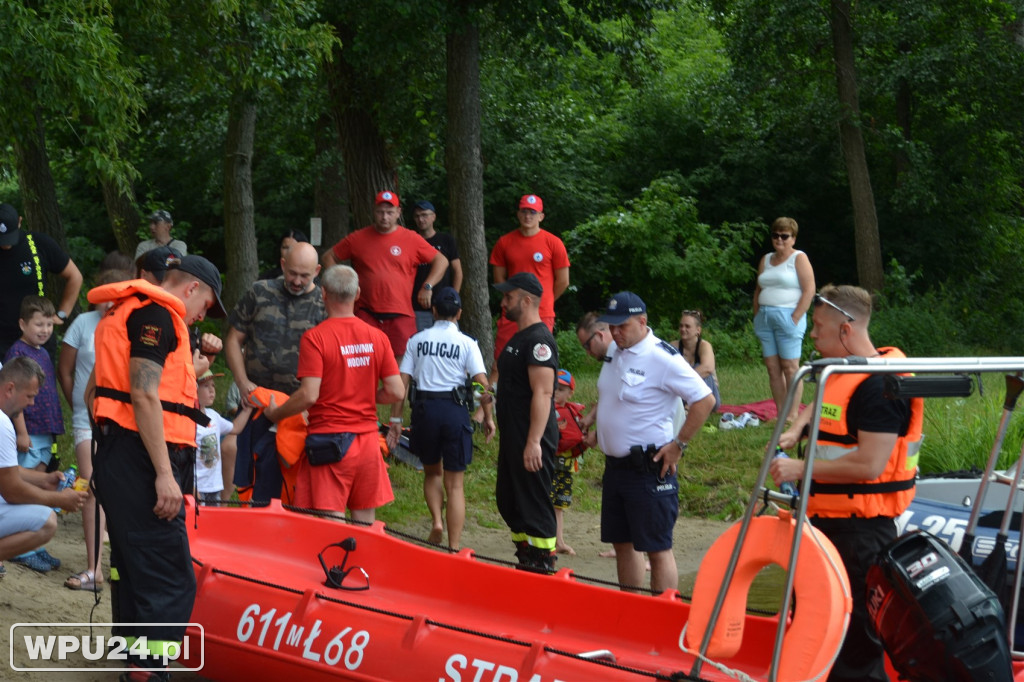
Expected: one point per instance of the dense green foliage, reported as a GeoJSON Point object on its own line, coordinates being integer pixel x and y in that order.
{"type": "Point", "coordinates": [660, 134]}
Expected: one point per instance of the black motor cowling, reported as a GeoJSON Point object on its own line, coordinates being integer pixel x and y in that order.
{"type": "Point", "coordinates": [936, 618]}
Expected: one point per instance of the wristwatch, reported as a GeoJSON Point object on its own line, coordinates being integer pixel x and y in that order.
{"type": "Point", "coordinates": [427, 286]}
{"type": "Point", "coordinates": [63, 316]}
{"type": "Point", "coordinates": [681, 445]}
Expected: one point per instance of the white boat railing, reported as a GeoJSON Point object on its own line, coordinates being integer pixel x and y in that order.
{"type": "Point", "coordinates": [819, 371]}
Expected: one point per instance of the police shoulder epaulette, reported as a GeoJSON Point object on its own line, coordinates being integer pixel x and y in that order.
{"type": "Point", "coordinates": [668, 347]}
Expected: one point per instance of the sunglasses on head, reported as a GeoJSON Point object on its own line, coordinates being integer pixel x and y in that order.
{"type": "Point", "coordinates": [781, 235]}
{"type": "Point", "coordinates": [695, 314]}
{"type": "Point", "coordinates": [819, 299]}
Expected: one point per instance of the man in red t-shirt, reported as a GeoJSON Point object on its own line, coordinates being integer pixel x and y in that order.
{"type": "Point", "coordinates": [342, 361]}
{"type": "Point", "coordinates": [530, 249]}
{"type": "Point", "coordinates": [386, 257]}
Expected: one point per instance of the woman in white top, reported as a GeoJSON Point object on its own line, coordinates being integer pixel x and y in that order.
{"type": "Point", "coordinates": [785, 289]}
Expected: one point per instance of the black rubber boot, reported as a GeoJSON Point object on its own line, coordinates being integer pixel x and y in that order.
{"type": "Point", "coordinates": [544, 559]}
{"type": "Point", "coordinates": [523, 555]}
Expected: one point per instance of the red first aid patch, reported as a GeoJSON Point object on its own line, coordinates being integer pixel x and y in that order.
{"type": "Point", "coordinates": [150, 335]}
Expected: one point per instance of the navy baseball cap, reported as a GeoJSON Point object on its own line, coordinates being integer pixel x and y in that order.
{"type": "Point", "coordinates": [425, 206]}
{"type": "Point", "coordinates": [527, 281]}
{"type": "Point", "coordinates": [623, 306]}
{"type": "Point", "coordinates": [448, 296]}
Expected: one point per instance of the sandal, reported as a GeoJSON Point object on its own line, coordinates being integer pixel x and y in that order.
{"type": "Point", "coordinates": [85, 581]}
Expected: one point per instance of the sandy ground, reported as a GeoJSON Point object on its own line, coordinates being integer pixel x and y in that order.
{"type": "Point", "coordinates": [29, 597]}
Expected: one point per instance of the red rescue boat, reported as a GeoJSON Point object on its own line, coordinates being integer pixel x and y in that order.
{"type": "Point", "coordinates": [406, 612]}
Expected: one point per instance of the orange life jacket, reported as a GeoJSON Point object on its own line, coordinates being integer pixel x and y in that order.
{"type": "Point", "coordinates": [889, 494]}
{"type": "Point", "coordinates": [177, 389]}
{"type": "Point", "coordinates": [290, 442]}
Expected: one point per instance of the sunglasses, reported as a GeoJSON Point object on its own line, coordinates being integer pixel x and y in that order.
{"type": "Point", "coordinates": [819, 299]}
{"type": "Point", "coordinates": [695, 314]}
{"type": "Point", "coordinates": [781, 235]}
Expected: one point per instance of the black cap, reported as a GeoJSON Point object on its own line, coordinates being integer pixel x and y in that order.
{"type": "Point", "coordinates": [527, 281]}
{"type": "Point", "coordinates": [157, 261]}
{"type": "Point", "coordinates": [160, 216]}
{"type": "Point", "coordinates": [207, 273]}
{"type": "Point", "coordinates": [425, 206]}
{"type": "Point", "coordinates": [9, 232]}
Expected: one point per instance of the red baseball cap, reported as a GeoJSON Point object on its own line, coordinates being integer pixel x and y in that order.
{"type": "Point", "coordinates": [565, 379]}
{"type": "Point", "coordinates": [386, 197]}
{"type": "Point", "coordinates": [532, 201]}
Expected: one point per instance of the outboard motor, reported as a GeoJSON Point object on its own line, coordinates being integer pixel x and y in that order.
{"type": "Point", "coordinates": [936, 618]}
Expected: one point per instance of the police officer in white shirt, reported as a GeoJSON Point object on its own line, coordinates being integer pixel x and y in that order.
{"type": "Point", "coordinates": [439, 359]}
{"type": "Point", "coordinates": [638, 390]}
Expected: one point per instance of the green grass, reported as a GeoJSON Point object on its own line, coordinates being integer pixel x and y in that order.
{"type": "Point", "coordinates": [720, 467]}
{"type": "Point", "coordinates": [716, 476]}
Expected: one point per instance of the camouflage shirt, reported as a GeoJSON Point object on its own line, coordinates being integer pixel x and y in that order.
{"type": "Point", "coordinates": [273, 321]}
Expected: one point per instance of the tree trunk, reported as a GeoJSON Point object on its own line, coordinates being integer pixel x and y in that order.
{"type": "Point", "coordinates": [124, 216]}
{"type": "Point", "coordinates": [40, 211]}
{"type": "Point", "coordinates": [239, 226]}
{"type": "Point", "coordinates": [368, 166]}
{"type": "Point", "coordinates": [330, 192]}
{"type": "Point", "coordinates": [865, 220]}
{"type": "Point", "coordinates": [466, 180]}
{"type": "Point", "coordinates": [904, 116]}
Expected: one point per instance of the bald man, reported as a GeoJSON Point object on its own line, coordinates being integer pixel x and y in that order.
{"type": "Point", "coordinates": [269, 320]}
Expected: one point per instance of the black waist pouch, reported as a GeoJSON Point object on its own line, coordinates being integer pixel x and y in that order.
{"type": "Point", "coordinates": [327, 448]}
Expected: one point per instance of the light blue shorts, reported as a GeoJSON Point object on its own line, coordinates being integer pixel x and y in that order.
{"type": "Point", "coordinates": [777, 333]}
{"type": "Point", "coordinates": [21, 518]}
{"type": "Point", "coordinates": [39, 453]}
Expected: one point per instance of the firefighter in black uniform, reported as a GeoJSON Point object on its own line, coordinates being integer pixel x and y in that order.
{"type": "Point", "coordinates": [146, 412]}
{"type": "Point", "coordinates": [527, 424]}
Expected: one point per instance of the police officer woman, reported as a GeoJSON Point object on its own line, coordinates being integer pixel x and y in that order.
{"type": "Point", "coordinates": [439, 359]}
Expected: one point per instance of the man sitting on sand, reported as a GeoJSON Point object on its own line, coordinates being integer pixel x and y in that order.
{"type": "Point", "coordinates": [27, 496]}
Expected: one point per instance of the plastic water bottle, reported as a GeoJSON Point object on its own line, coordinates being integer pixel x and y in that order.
{"type": "Point", "coordinates": [70, 476]}
{"type": "Point", "coordinates": [786, 488]}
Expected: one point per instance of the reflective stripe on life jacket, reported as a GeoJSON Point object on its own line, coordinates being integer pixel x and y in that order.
{"type": "Point", "coordinates": [177, 390]}
{"type": "Point", "coordinates": [889, 494]}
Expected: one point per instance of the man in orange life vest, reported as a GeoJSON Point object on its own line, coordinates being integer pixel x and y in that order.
{"type": "Point", "coordinates": [146, 413]}
{"type": "Point", "coordinates": [864, 472]}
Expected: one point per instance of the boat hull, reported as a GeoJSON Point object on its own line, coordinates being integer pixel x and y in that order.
{"type": "Point", "coordinates": [932, 510]}
{"type": "Point", "coordinates": [427, 615]}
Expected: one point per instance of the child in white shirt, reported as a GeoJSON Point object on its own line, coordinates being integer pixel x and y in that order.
{"type": "Point", "coordinates": [209, 481]}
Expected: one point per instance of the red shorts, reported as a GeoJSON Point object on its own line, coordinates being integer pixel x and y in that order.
{"type": "Point", "coordinates": [398, 329]}
{"type": "Point", "coordinates": [359, 481]}
{"type": "Point", "coordinates": [507, 329]}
